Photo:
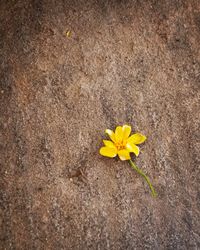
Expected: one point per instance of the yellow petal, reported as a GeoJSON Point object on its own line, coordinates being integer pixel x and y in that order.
{"type": "Point", "coordinates": [68, 33]}
{"type": "Point", "coordinates": [109, 144]}
{"type": "Point", "coordinates": [133, 148]}
{"type": "Point", "coordinates": [118, 133]}
{"type": "Point", "coordinates": [137, 138]}
{"type": "Point", "coordinates": [109, 152]}
{"type": "Point", "coordinates": [126, 130]}
{"type": "Point", "coordinates": [124, 155]}
{"type": "Point", "coordinates": [111, 134]}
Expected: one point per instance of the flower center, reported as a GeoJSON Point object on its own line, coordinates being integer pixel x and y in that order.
{"type": "Point", "coordinates": [120, 145]}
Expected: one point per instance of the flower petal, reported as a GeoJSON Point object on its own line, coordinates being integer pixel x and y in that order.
{"type": "Point", "coordinates": [109, 152]}
{"type": "Point", "coordinates": [137, 138]}
{"type": "Point", "coordinates": [118, 133]}
{"type": "Point", "coordinates": [109, 144]}
{"type": "Point", "coordinates": [133, 148]}
{"type": "Point", "coordinates": [111, 134]}
{"type": "Point", "coordinates": [126, 130]}
{"type": "Point", "coordinates": [124, 155]}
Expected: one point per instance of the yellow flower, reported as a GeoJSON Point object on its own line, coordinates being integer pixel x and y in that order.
{"type": "Point", "coordinates": [122, 143]}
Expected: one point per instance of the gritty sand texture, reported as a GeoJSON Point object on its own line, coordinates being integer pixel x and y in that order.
{"type": "Point", "coordinates": [135, 62]}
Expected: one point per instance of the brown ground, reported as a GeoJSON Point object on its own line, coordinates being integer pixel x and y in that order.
{"type": "Point", "coordinates": [135, 62]}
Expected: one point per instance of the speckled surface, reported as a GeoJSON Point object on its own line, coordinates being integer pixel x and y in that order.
{"type": "Point", "coordinates": [134, 62]}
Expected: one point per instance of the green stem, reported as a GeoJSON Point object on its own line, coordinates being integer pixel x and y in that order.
{"type": "Point", "coordinates": [139, 171]}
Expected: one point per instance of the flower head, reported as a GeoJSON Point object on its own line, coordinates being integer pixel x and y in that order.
{"type": "Point", "coordinates": [122, 144]}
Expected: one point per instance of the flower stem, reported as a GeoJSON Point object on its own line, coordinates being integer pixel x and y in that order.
{"type": "Point", "coordinates": [139, 171]}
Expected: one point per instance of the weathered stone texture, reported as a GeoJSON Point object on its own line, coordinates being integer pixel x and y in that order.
{"type": "Point", "coordinates": [135, 62]}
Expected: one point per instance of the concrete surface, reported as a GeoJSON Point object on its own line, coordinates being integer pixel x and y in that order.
{"type": "Point", "coordinates": [134, 62]}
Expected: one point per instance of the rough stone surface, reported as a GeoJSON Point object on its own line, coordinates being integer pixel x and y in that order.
{"type": "Point", "coordinates": [135, 62]}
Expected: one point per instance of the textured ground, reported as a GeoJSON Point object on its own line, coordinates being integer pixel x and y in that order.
{"type": "Point", "coordinates": [134, 62]}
